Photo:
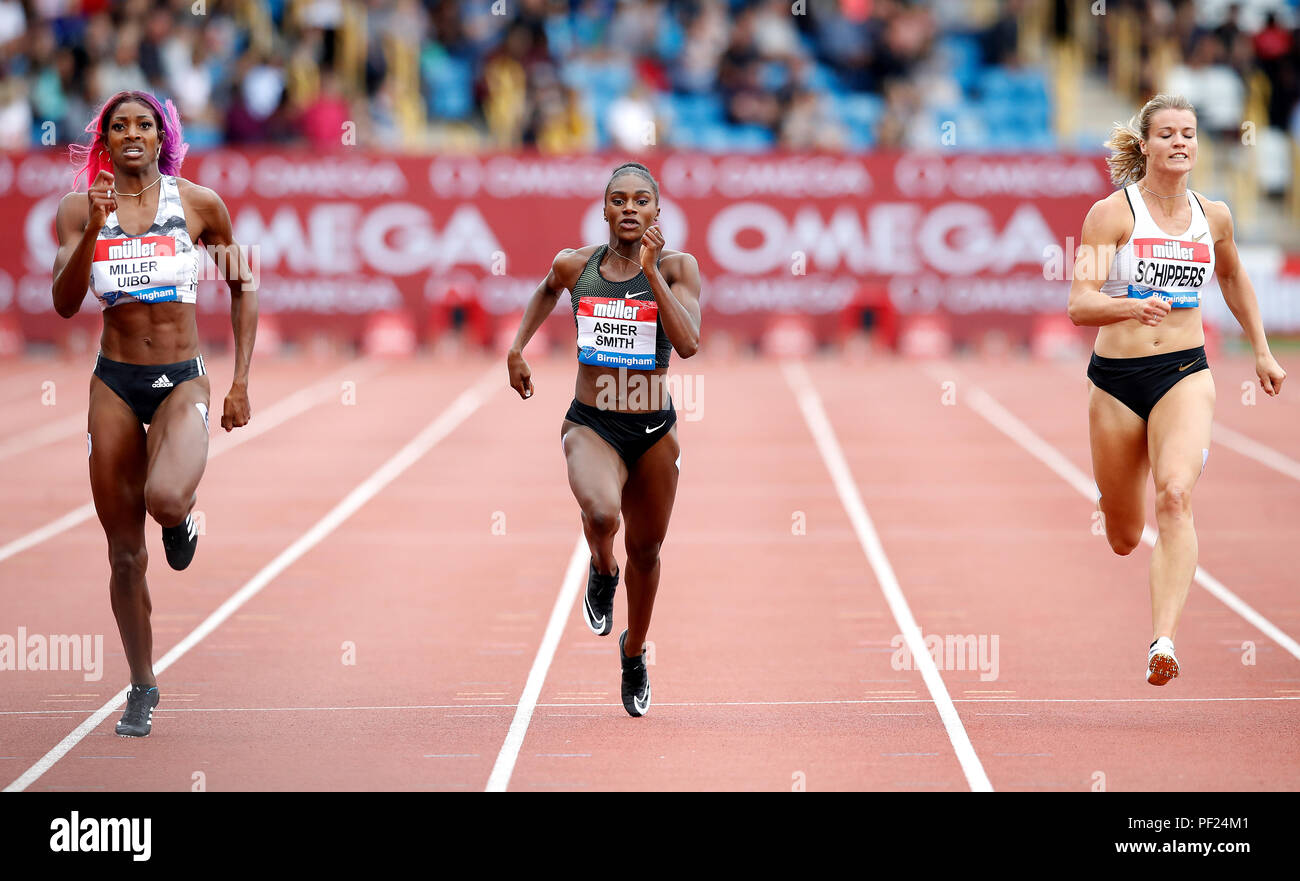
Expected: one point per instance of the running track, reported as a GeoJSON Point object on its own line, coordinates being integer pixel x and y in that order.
{"type": "Point", "coordinates": [448, 579]}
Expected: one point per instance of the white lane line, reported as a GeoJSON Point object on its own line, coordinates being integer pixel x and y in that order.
{"type": "Point", "coordinates": [276, 414]}
{"type": "Point", "coordinates": [1253, 449]}
{"type": "Point", "coordinates": [457, 412]}
{"type": "Point", "coordinates": [824, 434]}
{"type": "Point", "coordinates": [569, 706]}
{"type": "Point", "coordinates": [43, 434]}
{"type": "Point", "coordinates": [504, 766]}
{"type": "Point", "coordinates": [1003, 420]}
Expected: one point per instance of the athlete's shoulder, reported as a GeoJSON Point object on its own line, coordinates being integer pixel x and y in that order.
{"type": "Point", "coordinates": [584, 253]}
{"type": "Point", "coordinates": [71, 201]}
{"type": "Point", "coordinates": [196, 194]}
{"type": "Point", "coordinates": [1217, 213]}
{"type": "Point", "coordinates": [676, 264]}
{"type": "Point", "coordinates": [1109, 217]}
{"type": "Point", "coordinates": [568, 264]}
{"type": "Point", "coordinates": [73, 211]}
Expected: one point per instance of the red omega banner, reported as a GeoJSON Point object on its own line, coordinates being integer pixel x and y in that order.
{"type": "Point", "coordinates": [337, 237]}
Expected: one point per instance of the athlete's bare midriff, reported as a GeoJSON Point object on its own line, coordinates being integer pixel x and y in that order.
{"type": "Point", "coordinates": [622, 390]}
{"type": "Point", "coordinates": [1180, 329]}
{"type": "Point", "coordinates": [150, 333]}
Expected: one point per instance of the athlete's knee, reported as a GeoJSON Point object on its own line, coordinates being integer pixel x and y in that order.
{"type": "Point", "coordinates": [1173, 501]}
{"type": "Point", "coordinates": [643, 555]}
{"type": "Point", "coordinates": [1124, 541]}
{"type": "Point", "coordinates": [1123, 533]}
{"type": "Point", "coordinates": [127, 564]}
{"type": "Point", "coordinates": [165, 504]}
{"type": "Point", "coordinates": [601, 519]}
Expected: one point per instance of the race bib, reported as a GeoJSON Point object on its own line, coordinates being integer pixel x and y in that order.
{"type": "Point", "coordinates": [1163, 265]}
{"type": "Point", "coordinates": [617, 333]}
{"type": "Point", "coordinates": [146, 268]}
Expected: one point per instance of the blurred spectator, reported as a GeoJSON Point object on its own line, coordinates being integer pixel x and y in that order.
{"type": "Point", "coordinates": [122, 72]}
{"type": "Point", "coordinates": [15, 114]}
{"type": "Point", "coordinates": [13, 21]}
{"type": "Point", "coordinates": [324, 118]}
{"type": "Point", "coordinates": [809, 125]}
{"type": "Point", "coordinates": [632, 124]}
{"type": "Point", "coordinates": [1214, 88]}
{"type": "Point", "coordinates": [564, 127]}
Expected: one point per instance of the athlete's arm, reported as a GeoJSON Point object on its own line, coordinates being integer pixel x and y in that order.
{"type": "Point", "coordinates": [77, 224]}
{"type": "Point", "coordinates": [540, 305]}
{"type": "Point", "coordinates": [1104, 229]}
{"type": "Point", "coordinates": [1239, 294]}
{"type": "Point", "coordinates": [218, 237]}
{"type": "Point", "coordinates": [679, 302]}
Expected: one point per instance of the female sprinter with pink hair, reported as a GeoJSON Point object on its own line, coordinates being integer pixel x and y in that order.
{"type": "Point", "coordinates": [132, 237]}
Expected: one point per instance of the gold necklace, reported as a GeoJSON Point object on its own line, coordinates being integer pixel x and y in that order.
{"type": "Point", "coordinates": [141, 193]}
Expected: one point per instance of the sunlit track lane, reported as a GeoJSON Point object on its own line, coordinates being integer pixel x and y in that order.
{"type": "Point", "coordinates": [765, 597]}
{"type": "Point", "coordinates": [257, 500]}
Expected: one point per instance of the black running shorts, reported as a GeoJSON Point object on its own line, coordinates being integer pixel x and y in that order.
{"type": "Point", "coordinates": [1139, 383]}
{"type": "Point", "coordinates": [145, 386]}
{"type": "Point", "coordinates": [630, 434]}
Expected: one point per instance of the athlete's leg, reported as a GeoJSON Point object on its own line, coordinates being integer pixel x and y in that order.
{"type": "Point", "coordinates": [1118, 437]}
{"type": "Point", "coordinates": [117, 475]}
{"type": "Point", "coordinates": [647, 505]}
{"type": "Point", "coordinates": [596, 476]}
{"type": "Point", "coordinates": [1179, 432]}
{"type": "Point", "coordinates": [177, 452]}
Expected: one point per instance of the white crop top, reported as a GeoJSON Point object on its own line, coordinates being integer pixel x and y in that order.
{"type": "Point", "coordinates": [158, 267]}
{"type": "Point", "coordinates": [1176, 268]}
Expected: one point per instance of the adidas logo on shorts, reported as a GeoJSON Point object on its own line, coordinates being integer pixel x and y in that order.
{"type": "Point", "coordinates": [162, 382]}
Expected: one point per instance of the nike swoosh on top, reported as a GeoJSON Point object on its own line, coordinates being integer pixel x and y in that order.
{"type": "Point", "coordinates": [637, 294]}
{"type": "Point", "coordinates": [657, 427]}
{"type": "Point", "coordinates": [1197, 237]}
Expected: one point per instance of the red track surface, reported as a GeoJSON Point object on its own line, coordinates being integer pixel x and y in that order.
{"type": "Point", "coordinates": [772, 649]}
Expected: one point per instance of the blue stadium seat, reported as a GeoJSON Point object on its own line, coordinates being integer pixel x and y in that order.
{"type": "Point", "coordinates": [449, 83]}
{"type": "Point", "coordinates": [714, 137]}
{"type": "Point", "coordinates": [964, 57]}
{"type": "Point", "coordinates": [857, 108]}
{"type": "Point", "coordinates": [698, 110]}
{"type": "Point", "coordinates": [750, 139]}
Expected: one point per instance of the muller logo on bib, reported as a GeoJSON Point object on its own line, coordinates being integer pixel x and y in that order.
{"type": "Point", "coordinates": [1172, 249]}
{"type": "Point", "coordinates": [615, 309]}
{"type": "Point", "coordinates": [134, 249]}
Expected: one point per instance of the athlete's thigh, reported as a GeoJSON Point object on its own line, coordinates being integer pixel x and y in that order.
{"type": "Point", "coordinates": [178, 437]}
{"type": "Point", "coordinates": [650, 491]}
{"type": "Point", "coordinates": [1118, 438]}
{"type": "Point", "coordinates": [117, 465]}
{"type": "Point", "coordinates": [596, 471]}
{"type": "Point", "coordinates": [1179, 429]}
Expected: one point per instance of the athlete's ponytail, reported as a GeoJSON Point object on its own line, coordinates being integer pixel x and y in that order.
{"type": "Point", "coordinates": [638, 169]}
{"type": "Point", "coordinates": [1127, 163]}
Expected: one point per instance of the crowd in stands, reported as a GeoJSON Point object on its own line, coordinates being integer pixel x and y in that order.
{"type": "Point", "coordinates": [553, 75]}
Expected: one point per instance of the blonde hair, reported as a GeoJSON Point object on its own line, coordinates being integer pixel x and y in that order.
{"type": "Point", "coordinates": [1127, 164]}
